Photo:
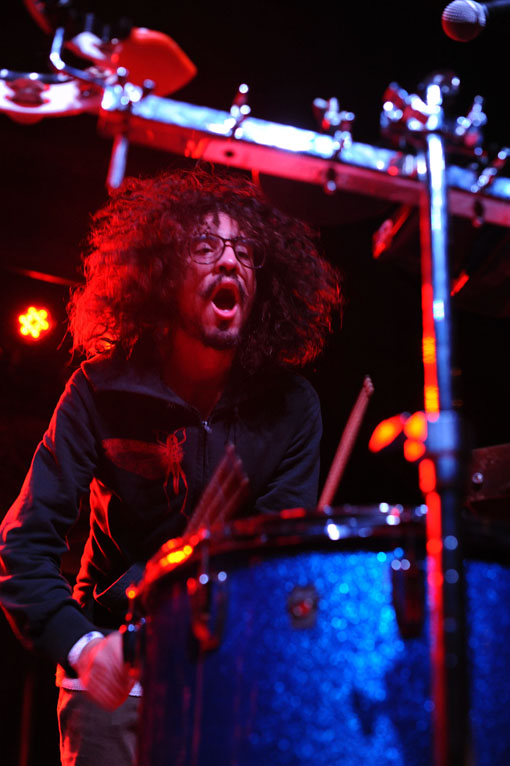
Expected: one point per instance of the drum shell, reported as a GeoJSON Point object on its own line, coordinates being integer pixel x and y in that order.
{"type": "Point", "coordinates": [345, 687]}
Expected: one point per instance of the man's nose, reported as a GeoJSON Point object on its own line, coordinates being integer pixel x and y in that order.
{"type": "Point", "coordinates": [228, 261]}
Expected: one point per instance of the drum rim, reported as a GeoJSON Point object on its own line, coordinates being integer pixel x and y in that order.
{"type": "Point", "coordinates": [337, 526]}
{"type": "Point", "coordinates": [290, 528]}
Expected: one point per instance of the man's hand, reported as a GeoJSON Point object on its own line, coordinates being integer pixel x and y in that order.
{"type": "Point", "coordinates": [104, 673]}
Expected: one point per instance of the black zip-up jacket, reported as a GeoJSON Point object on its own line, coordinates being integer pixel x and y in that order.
{"type": "Point", "coordinates": [142, 456]}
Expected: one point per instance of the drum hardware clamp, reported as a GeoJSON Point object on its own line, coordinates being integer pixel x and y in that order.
{"type": "Point", "coordinates": [133, 633]}
{"type": "Point", "coordinates": [125, 93]}
{"type": "Point", "coordinates": [337, 124]}
{"type": "Point", "coordinates": [207, 595]}
{"type": "Point", "coordinates": [408, 590]}
{"type": "Point", "coordinates": [406, 115]}
{"type": "Point", "coordinates": [491, 170]}
{"type": "Point", "coordinates": [130, 94]}
{"type": "Point", "coordinates": [239, 110]}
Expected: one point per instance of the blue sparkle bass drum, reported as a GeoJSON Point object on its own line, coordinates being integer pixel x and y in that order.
{"type": "Point", "coordinates": [303, 638]}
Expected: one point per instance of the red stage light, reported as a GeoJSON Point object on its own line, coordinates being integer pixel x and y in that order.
{"type": "Point", "coordinates": [34, 323]}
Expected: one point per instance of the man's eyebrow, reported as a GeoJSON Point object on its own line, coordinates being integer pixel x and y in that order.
{"type": "Point", "coordinates": [215, 234]}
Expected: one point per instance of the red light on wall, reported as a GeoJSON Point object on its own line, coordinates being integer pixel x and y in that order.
{"type": "Point", "coordinates": [34, 323]}
{"type": "Point", "coordinates": [416, 426]}
{"type": "Point", "coordinates": [413, 450]}
{"type": "Point", "coordinates": [427, 476]}
{"type": "Point", "coordinates": [412, 427]}
{"type": "Point", "coordinates": [386, 432]}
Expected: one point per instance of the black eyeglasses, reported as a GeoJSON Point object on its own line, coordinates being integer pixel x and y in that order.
{"type": "Point", "coordinates": [208, 248]}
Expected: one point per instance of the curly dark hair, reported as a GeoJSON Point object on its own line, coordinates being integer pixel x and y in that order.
{"type": "Point", "coordinates": [137, 259]}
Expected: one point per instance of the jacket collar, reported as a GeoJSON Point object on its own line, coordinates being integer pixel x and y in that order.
{"type": "Point", "coordinates": [113, 372]}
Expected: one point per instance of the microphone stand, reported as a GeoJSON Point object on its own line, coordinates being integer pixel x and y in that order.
{"type": "Point", "coordinates": [446, 587]}
{"type": "Point", "coordinates": [441, 472]}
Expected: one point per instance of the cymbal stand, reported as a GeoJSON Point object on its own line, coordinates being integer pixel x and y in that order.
{"type": "Point", "coordinates": [425, 124]}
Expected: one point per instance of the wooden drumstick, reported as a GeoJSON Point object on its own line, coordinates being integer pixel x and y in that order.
{"type": "Point", "coordinates": [346, 444]}
{"type": "Point", "coordinates": [225, 493]}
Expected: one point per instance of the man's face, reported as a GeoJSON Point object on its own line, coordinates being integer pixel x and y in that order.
{"type": "Point", "coordinates": [216, 298]}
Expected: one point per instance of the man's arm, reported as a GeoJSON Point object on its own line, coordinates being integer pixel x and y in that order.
{"type": "Point", "coordinates": [33, 593]}
{"type": "Point", "coordinates": [100, 663]}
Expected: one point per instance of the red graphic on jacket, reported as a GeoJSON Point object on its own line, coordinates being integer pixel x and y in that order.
{"type": "Point", "coordinates": [160, 460]}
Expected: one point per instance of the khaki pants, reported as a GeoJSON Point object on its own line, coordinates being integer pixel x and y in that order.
{"type": "Point", "coordinates": [91, 736]}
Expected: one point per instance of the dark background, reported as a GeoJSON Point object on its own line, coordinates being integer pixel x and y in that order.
{"type": "Point", "coordinates": [53, 179]}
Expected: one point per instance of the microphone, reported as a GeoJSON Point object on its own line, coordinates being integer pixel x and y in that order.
{"type": "Point", "coordinates": [463, 20]}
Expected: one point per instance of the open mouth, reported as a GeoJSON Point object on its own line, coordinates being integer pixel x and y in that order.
{"type": "Point", "coordinates": [226, 298]}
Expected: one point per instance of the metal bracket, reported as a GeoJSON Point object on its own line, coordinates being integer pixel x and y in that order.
{"type": "Point", "coordinates": [490, 172]}
{"type": "Point", "coordinates": [208, 601]}
{"type": "Point", "coordinates": [239, 110]}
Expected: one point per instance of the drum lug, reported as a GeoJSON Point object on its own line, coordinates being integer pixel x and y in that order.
{"type": "Point", "coordinates": [133, 646]}
{"type": "Point", "coordinates": [208, 601]}
{"type": "Point", "coordinates": [302, 605]}
{"type": "Point", "coordinates": [133, 635]}
{"type": "Point", "coordinates": [408, 595]}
